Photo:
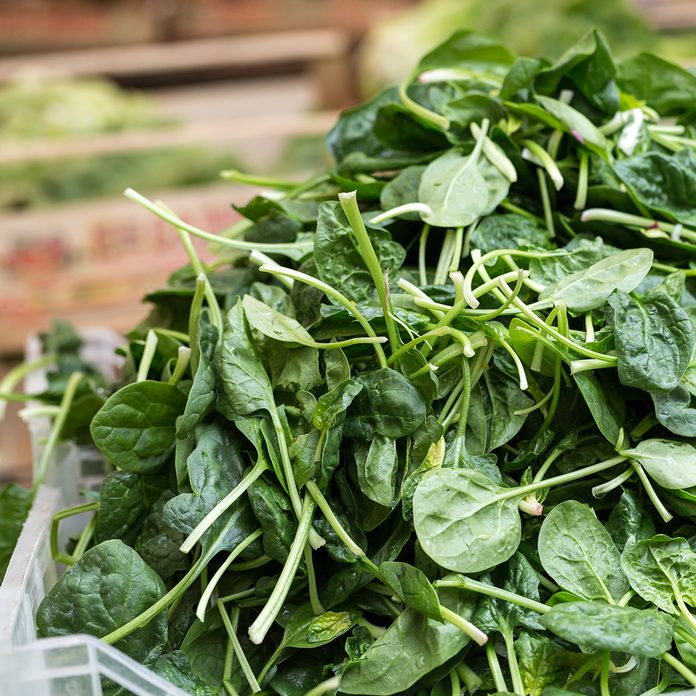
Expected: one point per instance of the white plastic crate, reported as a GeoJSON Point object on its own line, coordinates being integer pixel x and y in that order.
{"type": "Point", "coordinates": [73, 468]}
{"type": "Point", "coordinates": [66, 666]}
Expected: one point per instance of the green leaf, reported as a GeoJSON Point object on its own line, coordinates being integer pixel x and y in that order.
{"type": "Point", "coordinates": [460, 521]}
{"type": "Point", "coordinates": [121, 506]}
{"type": "Point", "coordinates": [606, 404]}
{"type": "Point", "coordinates": [15, 502]}
{"type": "Point", "coordinates": [201, 397]}
{"type": "Point", "coordinates": [403, 188]}
{"type": "Point", "coordinates": [273, 510]}
{"type": "Point", "coordinates": [377, 470]}
{"type": "Point", "coordinates": [654, 340]}
{"type": "Point", "coordinates": [334, 403]}
{"type": "Point", "coordinates": [629, 519]}
{"type": "Point", "coordinates": [246, 388]}
{"type": "Point", "coordinates": [663, 183]}
{"type": "Point", "coordinates": [575, 123]}
{"type": "Point", "coordinates": [338, 260]}
{"type": "Point", "coordinates": [273, 324]}
{"type": "Point", "coordinates": [136, 427]}
{"type": "Point", "coordinates": [578, 553]}
{"type": "Point", "coordinates": [642, 633]}
{"type": "Point", "coordinates": [542, 663]}
{"type": "Point", "coordinates": [665, 86]}
{"type": "Point", "coordinates": [410, 648]}
{"type": "Point", "coordinates": [469, 50]}
{"type": "Point", "coordinates": [388, 404]}
{"type": "Point", "coordinates": [412, 587]}
{"type": "Point", "coordinates": [590, 288]}
{"type": "Point", "coordinates": [673, 410]}
{"type": "Point", "coordinates": [176, 669]}
{"type": "Point", "coordinates": [660, 569]}
{"type": "Point", "coordinates": [457, 190]}
{"type": "Point", "coordinates": [83, 601]}
{"type": "Point", "coordinates": [670, 463]}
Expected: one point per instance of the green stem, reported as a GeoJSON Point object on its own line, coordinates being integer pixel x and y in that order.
{"type": "Point", "coordinates": [476, 634]}
{"type": "Point", "coordinates": [440, 122]}
{"type": "Point", "coordinates": [513, 666]}
{"type": "Point", "coordinates": [56, 553]}
{"type": "Point", "coordinates": [680, 667]}
{"type": "Point", "coordinates": [160, 605]}
{"type": "Point", "coordinates": [616, 217]}
{"type": "Point", "coordinates": [603, 488]}
{"type": "Point", "coordinates": [314, 601]}
{"type": "Point", "coordinates": [275, 269]}
{"type": "Point", "coordinates": [194, 324]}
{"type": "Point", "coordinates": [422, 248]}
{"type": "Point", "coordinates": [251, 565]}
{"type": "Point", "coordinates": [326, 687]}
{"type": "Point", "coordinates": [547, 162]}
{"type": "Point", "coordinates": [236, 646]}
{"type": "Point", "coordinates": [212, 584]}
{"type": "Point", "coordinates": [652, 494]}
{"type": "Point", "coordinates": [583, 176]}
{"type": "Point", "coordinates": [253, 180]}
{"type": "Point", "coordinates": [563, 478]}
{"type": "Point", "coordinates": [148, 354]}
{"type": "Point", "coordinates": [294, 250]}
{"type": "Point", "coordinates": [331, 518]}
{"type": "Point", "coordinates": [202, 527]}
{"type": "Point", "coordinates": [604, 675]}
{"type": "Point", "coordinates": [182, 362]}
{"type": "Point", "coordinates": [546, 203]}
{"type": "Point", "coordinates": [494, 664]}
{"type": "Point", "coordinates": [263, 622]}
{"type": "Point", "coordinates": [239, 595]}
{"type": "Point", "coordinates": [56, 428]}
{"type": "Point", "coordinates": [465, 583]}
{"type": "Point", "coordinates": [349, 203]}
{"type": "Point", "coordinates": [17, 374]}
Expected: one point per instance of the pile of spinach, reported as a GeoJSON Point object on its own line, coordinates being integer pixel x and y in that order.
{"type": "Point", "coordinates": [425, 425]}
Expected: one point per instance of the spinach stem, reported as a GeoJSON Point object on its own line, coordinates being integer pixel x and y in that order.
{"type": "Point", "coordinates": [444, 259]}
{"type": "Point", "coordinates": [513, 666]}
{"type": "Point", "coordinates": [263, 622]}
{"type": "Point", "coordinates": [559, 480]}
{"type": "Point", "coordinates": [583, 176]}
{"type": "Point", "coordinates": [275, 269]}
{"type": "Point", "coordinates": [148, 355]}
{"type": "Point", "coordinates": [17, 374]}
{"type": "Point", "coordinates": [414, 207]}
{"type": "Point", "coordinates": [213, 582]}
{"type": "Point", "coordinates": [331, 518]}
{"type": "Point", "coordinates": [314, 601]}
{"type": "Point", "coordinates": [202, 527]}
{"type": "Point", "coordinates": [194, 323]}
{"type": "Point", "coordinates": [182, 362]}
{"type": "Point", "coordinates": [236, 646]}
{"type": "Point", "coordinates": [688, 616]}
{"type": "Point", "coordinates": [253, 180]}
{"type": "Point", "coordinates": [56, 553]}
{"type": "Point", "coordinates": [325, 687]}
{"type": "Point", "coordinates": [160, 605]}
{"type": "Point", "coordinates": [548, 164]}
{"type": "Point", "coordinates": [293, 250]}
{"type": "Point", "coordinates": [614, 216]}
{"type": "Point", "coordinates": [455, 683]}
{"type": "Point", "coordinates": [546, 203]}
{"type": "Point", "coordinates": [349, 203]}
{"type": "Point", "coordinates": [496, 671]}
{"type": "Point", "coordinates": [476, 634]}
{"type": "Point", "coordinates": [422, 247]}
{"type": "Point", "coordinates": [604, 675]}
{"type": "Point", "coordinates": [680, 667]}
{"type": "Point", "coordinates": [56, 428]}
{"type": "Point", "coordinates": [590, 662]}
{"type": "Point", "coordinates": [464, 583]}
{"type": "Point", "coordinates": [652, 494]}
{"type": "Point", "coordinates": [440, 122]}
{"type": "Point", "coordinates": [603, 488]}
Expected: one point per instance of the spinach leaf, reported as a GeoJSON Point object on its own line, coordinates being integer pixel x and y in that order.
{"type": "Point", "coordinates": [578, 553]}
{"type": "Point", "coordinates": [663, 183]}
{"type": "Point", "coordinates": [661, 570]}
{"type": "Point", "coordinates": [654, 340]}
{"type": "Point", "coordinates": [590, 288]}
{"type": "Point", "coordinates": [670, 463]}
{"type": "Point", "coordinates": [338, 260]}
{"type": "Point", "coordinates": [15, 502]}
{"type": "Point", "coordinates": [460, 521]}
{"type": "Point", "coordinates": [600, 626]}
{"type": "Point", "coordinates": [410, 648]}
{"type": "Point", "coordinates": [377, 469]}
{"type": "Point", "coordinates": [135, 429]}
{"type": "Point", "coordinates": [106, 588]}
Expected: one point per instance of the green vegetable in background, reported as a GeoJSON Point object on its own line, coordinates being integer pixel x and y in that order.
{"type": "Point", "coordinates": [436, 447]}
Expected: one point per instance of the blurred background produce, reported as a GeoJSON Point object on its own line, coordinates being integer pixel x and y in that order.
{"type": "Point", "coordinates": [161, 95]}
